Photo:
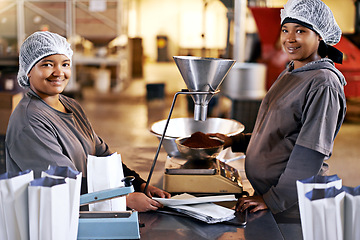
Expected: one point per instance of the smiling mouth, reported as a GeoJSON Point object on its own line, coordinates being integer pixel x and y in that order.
{"type": "Point", "coordinates": [56, 81]}
{"type": "Point", "coordinates": [292, 49]}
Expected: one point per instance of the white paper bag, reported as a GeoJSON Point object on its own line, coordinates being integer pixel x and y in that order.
{"type": "Point", "coordinates": [105, 173]}
{"type": "Point", "coordinates": [49, 209]}
{"type": "Point", "coordinates": [73, 179]}
{"type": "Point", "coordinates": [14, 222]}
{"type": "Point", "coordinates": [327, 213]}
{"type": "Point", "coordinates": [306, 185]}
{"type": "Point", "coordinates": [352, 213]}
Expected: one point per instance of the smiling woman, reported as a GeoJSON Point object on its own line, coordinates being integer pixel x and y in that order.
{"type": "Point", "coordinates": [300, 115]}
{"type": "Point", "coordinates": [49, 128]}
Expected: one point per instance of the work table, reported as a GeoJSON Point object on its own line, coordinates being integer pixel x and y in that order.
{"type": "Point", "coordinates": [160, 226]}
{"type": "Point", "coordinates": [260, 225]}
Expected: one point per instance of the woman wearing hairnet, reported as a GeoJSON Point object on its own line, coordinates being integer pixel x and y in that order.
{"type": "Point", "coordinates": [300, 115]}
{"type": "Point", "coordinates": [48, 128]}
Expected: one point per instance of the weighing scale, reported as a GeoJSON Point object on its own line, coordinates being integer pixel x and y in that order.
{"type": "Point", "coordinates": [202, 176]}
{"type": "Point", "coordinates": [108, 225]}
{"type": "Point", "coordinates": [202, 77]}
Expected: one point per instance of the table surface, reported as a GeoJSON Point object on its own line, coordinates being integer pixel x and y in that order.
{"type": "Point", "coordinates": [160, 226]}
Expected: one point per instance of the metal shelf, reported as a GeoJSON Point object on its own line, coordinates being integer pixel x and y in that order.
{"type": "Point", "coordinates": [68, 17]}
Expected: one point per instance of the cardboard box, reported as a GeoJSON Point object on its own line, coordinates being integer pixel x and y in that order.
{"type": "Point", "coordinates": [8, 102]}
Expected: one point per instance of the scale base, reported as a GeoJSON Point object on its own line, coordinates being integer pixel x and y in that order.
{"type": "Point", "coordinates": [200, 184]}
{"type": "Point", "coordinates": [211, 176]}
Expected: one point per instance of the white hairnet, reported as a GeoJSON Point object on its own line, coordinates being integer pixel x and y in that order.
{"type": "Point", "coordinates": [37, 46]}
{"type": "Point", "coordinates": [315, 13]}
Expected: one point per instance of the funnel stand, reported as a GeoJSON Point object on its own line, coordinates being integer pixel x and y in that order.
{"type": "Point", "coordinates": [202, 75]}
{"type": "Point", "coordinates": [185, 92]}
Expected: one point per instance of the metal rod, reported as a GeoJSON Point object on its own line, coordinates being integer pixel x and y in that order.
{"type": "Point", "coordinates": [239, 30]}
{"type": "Point", "coordinates": [57, 21]}
{"type": "Point", "coordinates": [186, 92]}
{"type": "Point", "coordinates": [4, 9]}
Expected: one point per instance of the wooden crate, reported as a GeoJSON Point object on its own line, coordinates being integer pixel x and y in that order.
{"type": "Point", "coordinates": [8, 102]}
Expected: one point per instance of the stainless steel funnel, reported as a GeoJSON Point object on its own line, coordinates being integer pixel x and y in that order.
{"type": "Point", "coordinates": [202, 75]}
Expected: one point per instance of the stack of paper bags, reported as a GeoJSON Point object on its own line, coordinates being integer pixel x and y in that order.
{"type": "Point", "coordinates": [328, 210]}
{"type": "Point", "coordinates": [14, 211]}
{"type": "Point", "coordinates": [49, 206]}
{"type": "Point", "coordinates": [46, 208]}
{"type": "Point", "coordinates": [352, 213]}
{"type": "Point", "coordinates": [201, 208]}
{"type": "Point", "coordinates": [54, 202]}
{"type": "Point", "coordinates": [73, 182]}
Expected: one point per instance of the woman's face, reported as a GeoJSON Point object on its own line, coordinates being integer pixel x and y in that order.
{"type": "Point", "coordinates": [300, 43]}
{"type": "Point", "coordinates": [50, 75]}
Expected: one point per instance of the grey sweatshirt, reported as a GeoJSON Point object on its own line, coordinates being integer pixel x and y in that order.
{"type": "Point", "coordinates": [295, 129]}
{"type": "Point", "coordinates": [39, 136]}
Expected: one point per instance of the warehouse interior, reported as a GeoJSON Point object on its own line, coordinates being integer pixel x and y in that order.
{"type": "Point", "coordinates": [127, 60]}
{"type": "Point", "coordinates": [125, 77]}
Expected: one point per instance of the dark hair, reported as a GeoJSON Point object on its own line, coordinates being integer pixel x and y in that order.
{"type": "Point", "coordinates": [323, 49]}
{"type": "Point", "coordinates": [326, 50]}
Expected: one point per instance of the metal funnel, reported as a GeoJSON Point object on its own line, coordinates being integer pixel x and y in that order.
{"type": "Point", "coordinates": [202, 75]}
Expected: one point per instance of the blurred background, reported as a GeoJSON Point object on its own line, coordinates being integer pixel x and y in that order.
{"type": "Point", "coordinates": [125, 77]}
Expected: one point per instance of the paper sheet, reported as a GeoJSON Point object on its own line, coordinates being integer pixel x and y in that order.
{"type": "Point", "coordinates": [186, 199]}
{"type": "Point", "coordinates": [206, 212]}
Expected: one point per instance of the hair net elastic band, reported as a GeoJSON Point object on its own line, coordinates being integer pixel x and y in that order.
{"type": "Point", "coordinates": [38, 59]}
{"type": "Point", "coordinates": [293, 20]}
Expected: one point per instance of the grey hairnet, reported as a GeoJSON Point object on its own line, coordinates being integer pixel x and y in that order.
{"type": "Point", "coordinates": [315, 13]}
{"type": "Point", "coordinates": [37, 46]}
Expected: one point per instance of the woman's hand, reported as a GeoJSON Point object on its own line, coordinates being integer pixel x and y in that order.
{"type": "Point", "coordinates": [154, 191]}
{"type": "Point", "coordinates": [255, 203]}
{"type": "Point", "coordinates": [227, 140]}
{"type": "Point", "coordinates": [141, 203]}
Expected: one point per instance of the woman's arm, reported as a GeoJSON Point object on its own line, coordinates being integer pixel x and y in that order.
{"type": "Point", "coordinates": [238, 143]}
{"type": "Point", "coordinates": [303, 163]}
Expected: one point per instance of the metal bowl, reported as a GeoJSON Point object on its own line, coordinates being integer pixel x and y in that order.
{"type": "Point", "coordinates": [190, 153]}
{"type": "Point", "coordinates": [184, 127]}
